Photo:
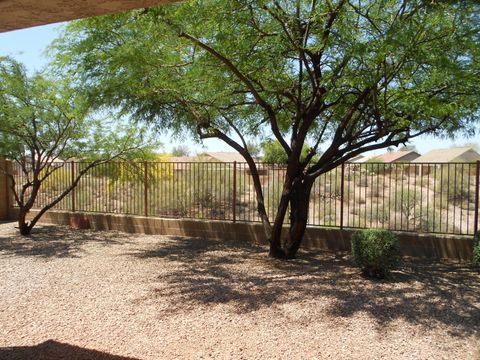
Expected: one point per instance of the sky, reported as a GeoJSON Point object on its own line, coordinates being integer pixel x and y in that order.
{"type": "Point", "coordinates": [28, 46]}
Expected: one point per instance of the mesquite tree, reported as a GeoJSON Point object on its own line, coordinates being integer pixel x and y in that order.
{"type": "Point", "coordinates": [42, 123]}
{"type": "Point", "coordinates": [349, 76]}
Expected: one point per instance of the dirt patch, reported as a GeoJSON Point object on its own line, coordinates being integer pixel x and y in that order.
{"type": "Point", "coordinates": [110, 295]}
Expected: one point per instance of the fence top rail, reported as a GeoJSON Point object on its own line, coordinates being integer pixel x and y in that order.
{"type": "Point", "coordinates": [280, 166]}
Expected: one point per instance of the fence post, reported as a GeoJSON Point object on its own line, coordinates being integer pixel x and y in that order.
{"type": "Point", "coordinates": [342, 191]}
{"type": "Point", "coordinates": [234, 197]}
{"type": "Point", "coordinates": [145, 187]}
{"type": "Point", "coordinates": [477, 184]}
{"type": "Point", "coordinates": [72, 170]}
{"type": "Point", "coordinates": [4, 191]}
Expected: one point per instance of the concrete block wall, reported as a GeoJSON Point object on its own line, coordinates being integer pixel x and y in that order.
{"type": "Point", "coordinates": [457, 248]}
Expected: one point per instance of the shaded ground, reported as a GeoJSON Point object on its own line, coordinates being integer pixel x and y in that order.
{"type": "Point", "coordinates": [112, 295]}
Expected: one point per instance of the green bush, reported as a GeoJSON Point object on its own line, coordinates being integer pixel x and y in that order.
{"type": "Point", "coordinates": [476, 252]}
{"type": "Point", "coordinates": [376, 251]}
{"type": "Point", "coordinates": [273, 153]}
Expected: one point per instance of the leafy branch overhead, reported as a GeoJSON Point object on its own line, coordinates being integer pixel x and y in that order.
{"type": "Point", "coordinates": [349, 76]}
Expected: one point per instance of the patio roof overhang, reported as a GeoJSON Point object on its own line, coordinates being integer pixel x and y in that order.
{"type": "Point", "coordinates": [19, 14]}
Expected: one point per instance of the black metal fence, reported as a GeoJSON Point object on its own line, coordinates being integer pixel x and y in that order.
{"type": "Point", "coordinates": [428, 197]}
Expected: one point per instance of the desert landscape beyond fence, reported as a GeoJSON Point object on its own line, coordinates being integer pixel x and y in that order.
{"type": "Point", "coordinates": [428, 197]}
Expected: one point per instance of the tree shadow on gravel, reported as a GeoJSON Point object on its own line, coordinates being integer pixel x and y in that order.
{"type": "Point", "coordinates": [53, 241]}
{"type": "Point", "coordinates": [206, 272]}
{"type": "Point", "coordinates": [54, 350]}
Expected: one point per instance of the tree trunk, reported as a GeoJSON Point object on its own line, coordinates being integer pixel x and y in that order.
{"type": "Point", "coordinates": [23, 226]}
{"type": "Point", "coordinates": [297, 195]}
{"type": "Point", "coordinates": [276, 250]}
{"type": "Point", "coordinates": [299, 207]}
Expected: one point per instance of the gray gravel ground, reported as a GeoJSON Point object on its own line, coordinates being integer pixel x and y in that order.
{"type": "Point", "coordinates": [68, 294]}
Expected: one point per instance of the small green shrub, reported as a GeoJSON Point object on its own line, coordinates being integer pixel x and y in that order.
{"type": "Point", "coordinates": [476, 252]}
{"type": "Point", "coordinates": [375, 251]}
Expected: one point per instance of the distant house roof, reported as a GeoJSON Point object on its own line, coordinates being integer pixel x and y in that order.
{"type": "Point", "coordinates": [388, 157]}
{"type": "Point", "coordinates": [396, 156]}
{"type": "Point", "coordinates": [180, 159]}
{"type": "Point", "coordinates": [227, 156]}
{"type": "Point", "coordinates": [460, 154]}
{"type": "Point", "coordinates": [358, 158]}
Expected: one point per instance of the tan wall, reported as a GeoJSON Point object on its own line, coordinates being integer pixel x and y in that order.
{"type": "Point", "coordinates": [3, 191]}
{"type": "Point", "coordinates": [458, 248]}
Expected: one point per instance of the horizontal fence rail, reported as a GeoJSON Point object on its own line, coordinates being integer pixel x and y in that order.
{"type": "Point", "coordinates": [426, 197]}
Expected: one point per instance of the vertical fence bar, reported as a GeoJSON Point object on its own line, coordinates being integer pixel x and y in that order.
{"type": "Point", "coordinates": [8, 193]}
{"type": "Point", "coordinates": [72, 170]}
{"type": "Point", "coordinates": [234, 195]}
{"type": "Point", "coordinates": [477, 179]}
{"type": "Point", "coordinates": [342, 193]}
{"type": "Point", "coordinates": [145, 188]}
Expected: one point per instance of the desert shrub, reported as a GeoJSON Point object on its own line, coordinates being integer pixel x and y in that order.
{"type": "Point", "coordinates": [376, 251]}
{"type": "Point", "coordinates": [377, 186]}
{"type": "Point", "coordinates": [455, 185]}
{"type": "Point", "coordinates": [376, 166]}
{"type": "Point", "coordinates": [426, 222]}
{"type": "Point", "coordinates": [379, 215]}
{"type": "Point", "coordinates": [328, 214]}
{"type": "Point", "coordinates": [273, 153]}
{"type": "Point", "coordinates": [406, 202]}
{"type": "Point", "coordinates": [362, 180]}
{"type": "Point", "coordinates": [332, 182]}
{"type": "Point", "coordinates": [476, 252]}
{"type": "Point", "coordinates": [359, 199]}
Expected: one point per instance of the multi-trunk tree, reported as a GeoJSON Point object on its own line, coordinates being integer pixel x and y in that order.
{"type": "Point", "coordinates": [44, 122]}
{"type": "Point", "coordinates": [349, 76]}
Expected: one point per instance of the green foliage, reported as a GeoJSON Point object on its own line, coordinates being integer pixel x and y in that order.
{"type": "Point", "coordinates": [406, 201]}
{"type": "Point", "coordinates": [35, 111]}
{"type": "Point", "coordinates": [254, 149]}
{"type": "Point", "coordinates": [47, 119]}
{"type": "Point", "coordinates": [376, 166]}
{"type": "Point", "coordinates": [273, 153]}
{"type": "Point", "coordinates": [181, 150]}
{"type": "Point", "coordinates": [476, 252]}
{"type": "Point", "coordinates": [376, 251]}
{"type": "Point", "coordinates": [374, 160]}
{"type": "Point", "coordinates": [156, 64]}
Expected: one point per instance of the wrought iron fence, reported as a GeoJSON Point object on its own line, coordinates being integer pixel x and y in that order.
{"type": "Point", "coordinates": [427, 197]}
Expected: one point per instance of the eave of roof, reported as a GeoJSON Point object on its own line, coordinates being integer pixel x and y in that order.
{"type": "Point", "coordinates": [19, 14]}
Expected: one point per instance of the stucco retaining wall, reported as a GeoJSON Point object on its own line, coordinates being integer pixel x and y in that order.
{"type": "Point", "coordinates": [457, 248]}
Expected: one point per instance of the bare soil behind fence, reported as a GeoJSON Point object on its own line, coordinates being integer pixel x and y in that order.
{"type": "Point", "coordinates": [428, 198]}
{"type": "Point", "coordinates": [110, 295]}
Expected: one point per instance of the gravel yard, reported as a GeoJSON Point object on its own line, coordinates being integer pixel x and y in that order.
{"type": "Point", "coordinates": [76, 294]}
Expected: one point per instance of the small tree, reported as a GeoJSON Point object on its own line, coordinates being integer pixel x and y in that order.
{"type": "Point", "coordinates": [181, 150]}
{"type": "Point", "coordinates": [274, 153]}
{"type": "Point", "coordinates": [43, 122]}
{"type": "Point", "coordinates": [407, 201]}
